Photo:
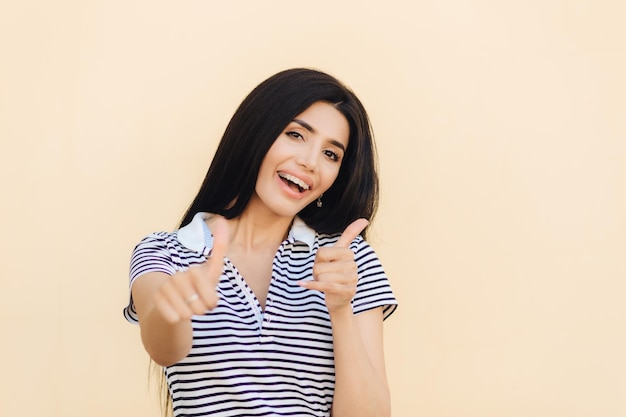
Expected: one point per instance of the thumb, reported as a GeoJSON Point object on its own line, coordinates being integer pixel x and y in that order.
{"type": "Point", "coordinates": [219, 229]}
{"type": "Point", "coordinates": [351, 232]}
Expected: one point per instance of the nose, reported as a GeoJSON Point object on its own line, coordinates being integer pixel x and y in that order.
{"type": "Point", "coordinates": [308, 158]}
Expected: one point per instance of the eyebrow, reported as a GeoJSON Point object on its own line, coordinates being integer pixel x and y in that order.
{"type": "Point", "coordinates": [312, 130]}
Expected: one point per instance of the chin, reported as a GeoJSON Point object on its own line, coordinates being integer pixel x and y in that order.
{"type": "Point", "coordinates": [288, 210]}
{"type": "Point", "coordinates": [283, 212]}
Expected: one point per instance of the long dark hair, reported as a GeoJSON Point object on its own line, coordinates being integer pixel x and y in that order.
{"type": "Point", "coordinates": [254, 127]}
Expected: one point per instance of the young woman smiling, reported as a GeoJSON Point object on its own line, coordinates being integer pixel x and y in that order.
{"type": "Point", "coordinates": [268, 300]}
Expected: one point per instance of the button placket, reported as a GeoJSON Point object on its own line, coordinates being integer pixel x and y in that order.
{"type": "Point", "coordinates": [266, 333]}
{"type": "Point", "coordinates": [267, 314]}
{"type": "Point", "coordinates": [250, 298]}
{"type": "Point", "coordinates": [252, 301]}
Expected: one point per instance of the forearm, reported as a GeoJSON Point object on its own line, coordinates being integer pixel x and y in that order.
{"type": "Point", "coordinates": [166, 335]}
{"type": "Point", "coordinates": [360, 388]}
{"type": "Point", "coordinates": [166, 343]}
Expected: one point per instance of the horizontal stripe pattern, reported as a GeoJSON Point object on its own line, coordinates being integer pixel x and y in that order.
{"type": "Point", "coordinates": [248, 362]}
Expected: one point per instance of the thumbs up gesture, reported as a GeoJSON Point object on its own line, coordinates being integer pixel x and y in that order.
{"type": "Point", "coordinates": [194, 291]}
{"type": "Point", "coordinates": [335, 271]}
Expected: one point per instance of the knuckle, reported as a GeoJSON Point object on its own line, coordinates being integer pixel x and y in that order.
{"type": "Point", "coordinates": [316, 270]}
{"type": "Point", "coordinates": [186, 314]}
{"type": "Point", "coordinates": [212, 304]}
{"type": "Point", "coordinates": [199, 308]}
{"type": "Point", "coordinates": [171, 318]}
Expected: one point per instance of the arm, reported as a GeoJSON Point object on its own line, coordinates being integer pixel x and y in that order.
{"type": "Point", "coordinates": [165, 303]}
{"type": "Point", "coordinates": [361, 387]}
{"type": "Point", "coordinates": [165, 341]}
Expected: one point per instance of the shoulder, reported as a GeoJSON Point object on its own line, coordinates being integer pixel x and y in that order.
{"type": "Point", "coordinates": [157, 239]}
{"type": "Point", "coordinates": [162, 251]}
{"type": "Point", "coordinates": [363, 252]}
{"type": "Point", "coordinates": [158, 242]}
{"type": "Point", "coordinates": [155, 248]}
{"type": "Point", "coordinates": [330, 239]}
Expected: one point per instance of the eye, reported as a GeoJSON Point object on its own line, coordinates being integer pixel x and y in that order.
{"type": "Point", "coordinates": [294, 134]}
{"type": "Point", "coordinates": [333, 156]}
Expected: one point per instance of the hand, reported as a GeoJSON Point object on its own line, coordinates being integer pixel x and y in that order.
{"type": "Point", "coordinates": [335, 271]}
{"type": "Point", "coordinates": [194, 291]}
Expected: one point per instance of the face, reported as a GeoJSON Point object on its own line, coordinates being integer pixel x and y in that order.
{"type": "Point", "coordinates": [303, 162]}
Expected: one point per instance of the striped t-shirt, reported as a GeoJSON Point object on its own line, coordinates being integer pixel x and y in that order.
{"type": "Point", "coordinates": [249, 361]}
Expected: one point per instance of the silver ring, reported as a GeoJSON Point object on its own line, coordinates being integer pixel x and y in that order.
{"type": "Point", "coordinates": [193, 297]}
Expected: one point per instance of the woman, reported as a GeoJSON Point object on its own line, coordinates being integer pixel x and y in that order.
{"type": "Point", "coordinates": [268, 301]}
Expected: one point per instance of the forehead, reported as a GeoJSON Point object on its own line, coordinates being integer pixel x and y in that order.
{"type": "Point", "coordinates": [326, 121]}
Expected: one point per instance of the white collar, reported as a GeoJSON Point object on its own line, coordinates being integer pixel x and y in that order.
{"type": "Point", "coordinates": [192, 236]}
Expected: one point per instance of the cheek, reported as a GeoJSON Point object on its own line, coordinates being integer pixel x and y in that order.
{"type": "Point", "coordinates": [329, 177]}
{"type": "Point", "coordinates": [264, 177]}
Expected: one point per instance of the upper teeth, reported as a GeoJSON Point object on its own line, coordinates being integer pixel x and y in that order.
{"type": "Point", "coordinates": [295, 180]}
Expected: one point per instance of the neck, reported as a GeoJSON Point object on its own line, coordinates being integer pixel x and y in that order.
{"type": "Point", "coordinates": [253, 231]}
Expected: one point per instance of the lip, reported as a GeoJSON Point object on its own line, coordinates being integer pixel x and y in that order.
{"type": "Point", "coordinates": [291, 193]}
{"type": "Point", "coordinates": [304, 178]}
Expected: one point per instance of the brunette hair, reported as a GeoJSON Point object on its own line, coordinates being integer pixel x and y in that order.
{"type": "Point", "coordinates": [254, 127]}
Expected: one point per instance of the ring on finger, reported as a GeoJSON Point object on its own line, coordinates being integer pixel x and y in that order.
{"type": "Point", "coordinates": [193, 297]}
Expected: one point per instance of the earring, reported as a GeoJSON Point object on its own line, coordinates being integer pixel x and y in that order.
{"type": "Point", "coordinates": [319, 202]}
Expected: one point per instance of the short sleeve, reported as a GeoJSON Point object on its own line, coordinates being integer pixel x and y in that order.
{"type": "Point", "coordinates": [373, 289]}
{"type": "Point", "coordinates": [150, 255]}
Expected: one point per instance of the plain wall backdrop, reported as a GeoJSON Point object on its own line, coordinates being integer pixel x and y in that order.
{"type": "Point", "coordinates": [501, 131]}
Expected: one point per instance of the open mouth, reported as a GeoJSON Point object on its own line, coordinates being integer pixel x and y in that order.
{"type": "Point", "coordinates": [293, 182]}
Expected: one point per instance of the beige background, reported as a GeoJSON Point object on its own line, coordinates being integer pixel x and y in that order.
{"type": "Point", "coordinates": [502, 138]}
